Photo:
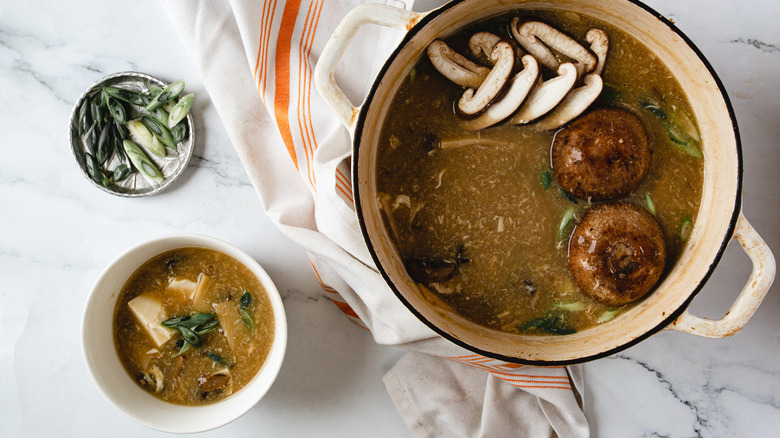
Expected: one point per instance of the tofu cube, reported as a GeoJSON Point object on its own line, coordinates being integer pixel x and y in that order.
{"type": "Point", "coordinates": [149, 313]}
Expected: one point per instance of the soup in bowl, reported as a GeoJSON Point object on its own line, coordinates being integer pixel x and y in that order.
{"type": "Point", "coordinates": [184, 333]}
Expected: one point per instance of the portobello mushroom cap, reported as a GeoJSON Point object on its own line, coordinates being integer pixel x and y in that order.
{"type": "Point", "coordinates": [603, 155]}
{"type": "Point", "coordinates": [617, 253]}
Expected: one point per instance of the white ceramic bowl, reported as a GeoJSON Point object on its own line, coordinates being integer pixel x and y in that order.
{"type": "Point", "coordinates": [112, 379]}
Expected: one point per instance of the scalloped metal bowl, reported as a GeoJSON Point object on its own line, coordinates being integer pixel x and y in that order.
{"type": "Point", "coordinates": [134, 186]}
{"type": "Point", "coordinates": [113, 380]}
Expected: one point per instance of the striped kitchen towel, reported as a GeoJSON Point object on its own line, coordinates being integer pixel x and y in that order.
{"type": "Point", "coordinates": [256, 59]}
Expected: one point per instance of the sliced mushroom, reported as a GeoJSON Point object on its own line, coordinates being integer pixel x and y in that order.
{"type": "Point", "coordinates": [537, 38]}
{"type": "Point", "coordinates": [579, 99]}
{"type": "Point", "coordinates": [154, 378]}
{"type": "Point", "coordinates": [455, 67]}
{"type": "Point", "coordinates": [599, 44]}
{"type": "Point", "coordinates": [473, 102]}
{"type": "Point", "coordinates": [575, 103]}
{"type": "Point", "coordinates": [481, 44]}
{"type": "Point", "coordinates": [547, 95]}
{"type": "Point", "coordinates": [219, 382]}
{"type": "Point", "coordinates": [519, 87]}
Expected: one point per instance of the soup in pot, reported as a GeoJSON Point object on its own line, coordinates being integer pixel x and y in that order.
{"type": "Point", "coordinates": [483, 217]}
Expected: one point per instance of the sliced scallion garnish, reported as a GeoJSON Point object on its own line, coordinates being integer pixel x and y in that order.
{"type": "Point", "coordinates": [141, 162]}
{"type": "Point", "coordinates": [170, 92]}
{"type": "Point", "coordinates": [686, 226]}
{"type": "Point", "coordinates": [650, 203]}
{"type": "Point", "coordinates": [159, 131]}
{"type": "Point", "coordinates": [246, 313]}
{"type": "Point", "coordinates": [180, 110]}
{"type": "Point", "coordinates": [567, 218]}
{"type": "Point", "coordinates": [141, 135]}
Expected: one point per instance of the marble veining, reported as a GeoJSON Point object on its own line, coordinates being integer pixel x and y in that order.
{"type": "Point", "coordinates": [57, 232]}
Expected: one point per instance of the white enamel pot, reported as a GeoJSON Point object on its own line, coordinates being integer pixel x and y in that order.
{"type": "Point", "coordinates": [719, 220]}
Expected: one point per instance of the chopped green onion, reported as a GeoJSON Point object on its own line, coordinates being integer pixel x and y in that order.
{"type": "Point", "coordinates": [217, 359]}
{"type": "Point", "coordinates": [180, 111]}
{"type": "Point", "coordinates": [154, 90]}
{"type": "Point", "coordinates": [568, 196]}
{"type": "Point", "coordinates": [190, 336]}
{"type": "Point", "coordinates": [84, 118]}
{"type": "Point", "coordinates": [94, 171]}
{"type": "Point", "coordinates": [159, 131]}
{"type": "Point", "coordinates": [654, 109]}
{"type": "Point", "coordinates": [571, 306]}
{"type": "Point", "coordinates": [126, 95]}
{"type": "Point", "coordinates": [179, 132]}
{"type": "Point", "coordinates": [141, 135]}
{"type": "Point", "coordinates": [184, 347]}
{"type": "Point", "coordinates": [116, 109]}
{"type": "Point", "coordinates": [160, 115]}
{"type": "Point", "coordinates": [685, 122]}
{"type": "Point", "coordinates": [104, 146]}
{"type": "Point", "coordinates": [121, 172]}
{"type": "Point", "coordinates": [610, 92]}
{"type": "Point", "coordinates": [412, 74]}
{"type": "Point", "coordinates": [650, 203]}
{"type": "Point", "coordinates": [608, 315]}
{"type": "Point", "coordinates": [679, 139]}
{"type": "Point", "coordinates": [246, 300]}
{"type": "Point", "coordinates": [142, 163]}
{"type": "Point", "coordinates": [246, 313]}
{"type": "Point", "coordinates": [685, 228]}
{"type": "Point", "coordinates": [546, 179]}
{"type": "Point", "coordinates": [568, 216]}
{"type": "Point", "coordinates": [207, 327]}
{"type": "Point", "coordinates": [170, 92]}
{"type": "Point", "coordinates": [553, 323]}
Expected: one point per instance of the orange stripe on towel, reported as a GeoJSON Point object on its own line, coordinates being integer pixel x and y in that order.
{"type": "Point", "coordinates": [308, 125]}
{"type": "Point", "coordinates": [282, 76]}
{"type": "Point", "coordinates": [267, 23]}
{"type": "Point", "coordinates": [302, 70]}
{"type": "Point", "coordinates": [261, 41]}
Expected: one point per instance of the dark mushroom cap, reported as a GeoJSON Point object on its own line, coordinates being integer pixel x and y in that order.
{"type": "Point", "coordinates": [602, 156]}
{"type": "Point", "coordinates": [617, 253]}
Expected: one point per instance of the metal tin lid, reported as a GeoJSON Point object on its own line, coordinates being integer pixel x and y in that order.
{"type": "Point", "coordinates": [134, 185]}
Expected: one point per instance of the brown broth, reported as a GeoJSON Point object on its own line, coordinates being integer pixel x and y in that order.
{"type": "Point", "coordinates": [487, 200]}
{"type": "Point", "coordinates": [192, 378]}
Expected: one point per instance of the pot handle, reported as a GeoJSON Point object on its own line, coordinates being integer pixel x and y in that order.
{"type": "Point", "coordinates": [324, 79]}
{"type": "Point", "coordinates": [748, 300]}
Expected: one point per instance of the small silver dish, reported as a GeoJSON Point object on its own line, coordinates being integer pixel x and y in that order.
{"type": "Point", "coordinates": [135, 185]}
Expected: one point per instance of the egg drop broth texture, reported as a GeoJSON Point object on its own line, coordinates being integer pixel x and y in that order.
{"type": "Point", "coordinates": [184, 376]}
{"type": "Point", "coordinates": [487, 199]}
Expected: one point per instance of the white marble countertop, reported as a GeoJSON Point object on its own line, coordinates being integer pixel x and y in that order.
{"type": "Point", "coordinates": [58, 232]}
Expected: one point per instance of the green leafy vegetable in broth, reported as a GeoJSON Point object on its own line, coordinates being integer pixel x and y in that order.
{"type": "Point", "coordinates": [553, 322]}
{"type": "Point", "coordinates": [192, 327]}
{"type": "Point", "coordinates": [546, 179]}
{"type": "Point", "coordinates": [567, 218]}
{"type": "Point", "coordinates": [650, 203]}
{"type": "Point", "coordinates": [217, 359]}
{"type": "Point", "coordinates": [246, 313]}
